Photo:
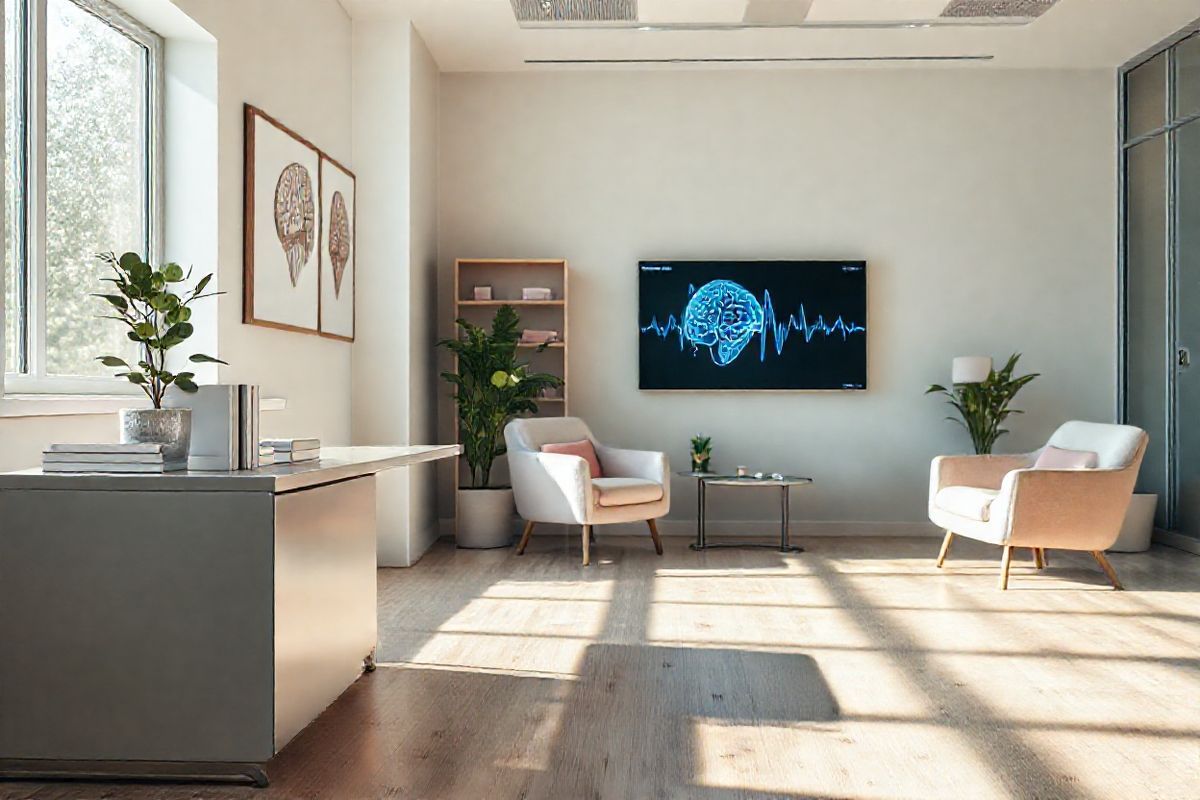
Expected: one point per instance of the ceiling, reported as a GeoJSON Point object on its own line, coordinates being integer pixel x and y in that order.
{"type": "Point", "coordinates": [505, 35]}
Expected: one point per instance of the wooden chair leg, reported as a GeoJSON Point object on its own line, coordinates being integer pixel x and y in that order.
{"type": "Point", "coordinates": [654, 536]}
{"type": "Point", "coordinates": [587, 545]}
{"type": "Point", "coordinates": [1005, 563]}
{"type": "Point", "coordinates": [1102, 560]}
{"type": "Point", "coordinates": [1037, 556]}
{"type": "Point", "coordinates": [525, 537]}
{"type": "Point", "coordinates": [945, 551]}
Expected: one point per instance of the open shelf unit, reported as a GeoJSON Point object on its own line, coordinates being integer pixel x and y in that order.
{"type": "Point", "coordinates": [507, 277]}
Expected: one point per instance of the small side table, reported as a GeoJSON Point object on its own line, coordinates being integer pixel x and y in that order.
{"type": "Point", "coordinates": [784, 485]}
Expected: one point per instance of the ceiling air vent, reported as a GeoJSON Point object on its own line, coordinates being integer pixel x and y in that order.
{"type": "Point", "coordinates": [575, 10]}
{"type": "Point", "coordinates": [998, 9]}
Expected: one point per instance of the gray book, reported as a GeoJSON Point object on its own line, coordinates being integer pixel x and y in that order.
{"type": "Point", "coordinates": [50, 457]}
{"type": "Point", "coordinates": [299, 455]}
{"type": "Point", "coordinates": [105, 448]}
{"type": "Point", "coordinates": [215, 432]}
{"type": "Point", "coordinates": [148, 469]}
{"type": "Point", "coordinates": [248, 410]}
{"type": "Point", "coordinates": [287, 445]}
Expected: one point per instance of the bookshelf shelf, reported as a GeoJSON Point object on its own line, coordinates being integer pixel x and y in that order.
{"type": "Point", "coordinates": [507, 277]}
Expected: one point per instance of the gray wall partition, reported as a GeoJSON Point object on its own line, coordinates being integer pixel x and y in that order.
{"type": "Point", "coordinates": [1160, 273]}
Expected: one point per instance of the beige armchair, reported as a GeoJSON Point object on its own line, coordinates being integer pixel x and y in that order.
{"type": "Point", "coordinates": [557, 488]}
{"type": "Point", "coordinates": [1004, 501]}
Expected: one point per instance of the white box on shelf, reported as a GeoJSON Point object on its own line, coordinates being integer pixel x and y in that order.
{"type": "Point", "coordinates": [482, 293]}
{"type": "Point", "coordinates": [536, 293]}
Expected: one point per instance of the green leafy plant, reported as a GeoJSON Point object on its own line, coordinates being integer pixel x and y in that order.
{"type": "Point", "coordinates": [157, 318]}
{"type": "Point", "coordinates": [701, 452]}
{"type": "Point", "coordinates": [983, 407]}
{"type": "Point", "coordinates": [490, 388]}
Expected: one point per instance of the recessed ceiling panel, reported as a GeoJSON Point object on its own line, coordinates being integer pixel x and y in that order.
{"type": "Point", "coordinates": [875, 10]}
{"type": "Point", "coordinates": [575, 10]}
{"type": "Point", "coordinates": [998, 9]}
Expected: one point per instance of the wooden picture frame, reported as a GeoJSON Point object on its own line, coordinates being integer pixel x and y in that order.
{"type": "Point", "coordinates": [283, 248]}
{"type": "Point", "coordinates": [339, 250]}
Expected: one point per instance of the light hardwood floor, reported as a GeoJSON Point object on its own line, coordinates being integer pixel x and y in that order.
{"type": "Point", "coordinates": [856, 670]}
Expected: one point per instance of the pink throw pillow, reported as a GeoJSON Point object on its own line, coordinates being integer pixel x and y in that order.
{"type": "Point", "coordinates": [583, 449]}
{"type": "Point", "coordinates": [1058, 458]}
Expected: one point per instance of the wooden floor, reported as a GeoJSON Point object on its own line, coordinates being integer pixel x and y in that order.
{"type": "Point", "coordinates": [854, 670]}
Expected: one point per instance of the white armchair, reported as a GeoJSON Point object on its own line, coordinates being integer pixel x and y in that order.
{"type": "Point", "coordinates": [556, 488]}
{"type": "Point", "coordinates": [1003, 500]}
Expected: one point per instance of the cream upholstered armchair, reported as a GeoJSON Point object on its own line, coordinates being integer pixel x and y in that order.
{"type": "Point", "coordinates": [1006, 501]}
{"type": "Point", "coordinates": [558, 488]}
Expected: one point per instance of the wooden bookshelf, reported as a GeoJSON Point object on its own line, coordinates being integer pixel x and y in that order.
{"type": "Point", "coordinates": [507, 277]}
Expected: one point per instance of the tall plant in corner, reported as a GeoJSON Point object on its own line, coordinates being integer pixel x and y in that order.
{"type": "Point", "coordinates": [983, 407]}
{"type": "Point", "coordinates": [490, 388]}
{"type": "Point", "coordinates": [157, 319]}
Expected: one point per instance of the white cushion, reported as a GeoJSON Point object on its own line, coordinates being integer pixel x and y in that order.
{"type": "Point", "coordinates": [966, 501]}
{"type": "Point", "coordinates": [626, 491]}
{"type": "Point", "coordinates": [1114, 445]}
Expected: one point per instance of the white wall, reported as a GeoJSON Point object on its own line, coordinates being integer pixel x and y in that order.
{"type": "Point", "coordinates": [984, 202]}
{"type": "Point", "coordinates": [395, 149]}
{"type": "Point", "coordinates": [292, 58]}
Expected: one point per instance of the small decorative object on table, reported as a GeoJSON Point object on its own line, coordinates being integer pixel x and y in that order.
{"type": "Point", "coordinates": [536, 293]}
{"type": "Point", "coordinates": [482, 293]}
{"type": "Point", "coordinates": [701, 453]}
{"type": "Point", "coordinates": [981, 396]}
{"type": "Point", "coordinates": [742, 470]}
{"type": "Point", "coordinates": [158, 321]}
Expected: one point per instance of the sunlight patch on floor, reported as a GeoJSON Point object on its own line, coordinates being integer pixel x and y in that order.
{"type": "Point", "coordinates": [869, 761]}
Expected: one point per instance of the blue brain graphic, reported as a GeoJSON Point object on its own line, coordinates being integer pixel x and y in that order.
{"type": "Point", "coordinates": [723, 317]}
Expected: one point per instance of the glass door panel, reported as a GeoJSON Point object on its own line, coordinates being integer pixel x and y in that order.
{"type": "Point", "coordinates": [1187, 77]}
{"type": "Point", "coordinates": [1187, 270]}
{"type": "Point", "coordinates": [1147, 336]}
{"type": "Point", "coordinates": [1146, 97]}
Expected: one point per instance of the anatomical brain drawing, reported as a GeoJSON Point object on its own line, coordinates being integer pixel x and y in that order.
{"type": "Point", "coordinates": [295, 217]}
{"type": "Point", "coordinates": [339, 240]}
{"type": "Point", "coordinates": [722, 316]}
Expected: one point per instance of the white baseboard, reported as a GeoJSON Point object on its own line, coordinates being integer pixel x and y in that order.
{"type": "Point", "coordinates": [1177, 540]}
{"type": "Point", "coordinates": [759, 528]}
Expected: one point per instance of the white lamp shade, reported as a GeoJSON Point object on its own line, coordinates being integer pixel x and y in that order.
{"type": "Point", "coordinates": [971, 369]}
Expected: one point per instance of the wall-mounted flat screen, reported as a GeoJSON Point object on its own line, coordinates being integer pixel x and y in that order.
{"type": "Point", "coordinates": [745, 325]}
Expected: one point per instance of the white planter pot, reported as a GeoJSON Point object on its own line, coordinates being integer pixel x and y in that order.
{"type": "Point", "coordinates": [1139, 525]}
{"type": "Point", "coordinates": [485, 518]}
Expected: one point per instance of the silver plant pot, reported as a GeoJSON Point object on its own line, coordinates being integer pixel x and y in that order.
{"type": "Point", "coordinates": [170, 427]}
{"type": "Point", "coordinates": [485, 518]}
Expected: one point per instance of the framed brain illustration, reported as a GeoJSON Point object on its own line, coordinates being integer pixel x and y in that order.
{"type": "Point", "coordinates": [337, 255]}
{"type": "Point", "coordinates": [282, 262]}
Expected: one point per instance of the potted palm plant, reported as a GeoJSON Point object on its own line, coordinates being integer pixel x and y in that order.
{"type": "Point", "coordinates": [983, 407]}
{"type": "Point", "coordinates": [152, 305]}
{"type": "Point", "coordinates": [490, 388]}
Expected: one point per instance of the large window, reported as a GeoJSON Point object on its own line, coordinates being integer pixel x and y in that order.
{"type": "Point", "coordinates": [82, 112]}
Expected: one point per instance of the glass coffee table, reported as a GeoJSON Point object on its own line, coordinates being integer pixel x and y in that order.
{"type": "Point", "coordinates": [782, 483]}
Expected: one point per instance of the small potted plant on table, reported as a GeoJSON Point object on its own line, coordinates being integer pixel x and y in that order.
{"type": "Point", "coordinates": [158, 321]}
{"type": "Point", "coordinates": [490, 388]}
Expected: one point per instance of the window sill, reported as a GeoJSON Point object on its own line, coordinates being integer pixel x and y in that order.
{"type": "Point", "coordinates": [66, 405]}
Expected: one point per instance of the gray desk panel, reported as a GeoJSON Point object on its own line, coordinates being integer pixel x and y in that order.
{"type": "Point", "coordinates": [136, 625]}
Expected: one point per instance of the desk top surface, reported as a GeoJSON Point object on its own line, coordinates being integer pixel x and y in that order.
{"type": "Point", "coordinates": [335, 464]}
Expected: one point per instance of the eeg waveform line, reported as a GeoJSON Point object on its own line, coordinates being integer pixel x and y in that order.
{"type": "Point", "coordinates": [723, 316]}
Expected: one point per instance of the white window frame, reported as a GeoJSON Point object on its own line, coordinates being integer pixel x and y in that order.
{"type": "Point", "coordinates": [35, 380]}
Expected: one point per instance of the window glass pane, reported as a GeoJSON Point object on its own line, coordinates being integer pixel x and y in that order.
{"type": "Point", "coordinates": [96, 185]}
{"type": "Point", "coordinates": [11, 223]}
{"type": "Point", "coordinates": [1146, 95]}
{"type": "Point", "coordinates": [1187, 77]}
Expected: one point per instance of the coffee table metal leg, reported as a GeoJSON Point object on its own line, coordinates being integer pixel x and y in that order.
{"type": "Point", "coordinates": [701, 503]}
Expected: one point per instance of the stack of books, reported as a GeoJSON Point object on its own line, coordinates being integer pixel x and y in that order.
{"type": "Point", "coordinates": [293, 450]}
{"type": "Point", "coordinates": [529, 336]}
{"type": "Point", "coordinates": [111, 458]}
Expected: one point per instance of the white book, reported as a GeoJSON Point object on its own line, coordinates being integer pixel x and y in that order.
{"type": "Point", "coordinates": [298, 455]}
{"type": "Point", "coordinates": [287, 445]}
{"type": "Point", "coordinates": [215, 433]}
{"type": "Point", "coordinates": [50, 457]}
{"type": "Point", "coordinates": [145, 469]}
{"type": "Point", "coordinates": [105, 448]}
